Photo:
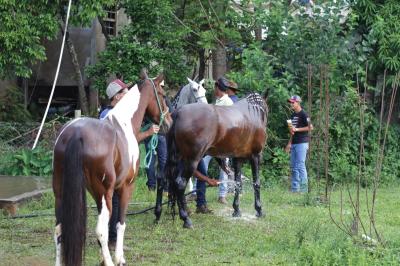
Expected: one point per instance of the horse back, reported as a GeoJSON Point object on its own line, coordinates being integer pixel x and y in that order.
{"type": "Point", "coordinates": [102, 150]}
{"type": "Point", "coordinates": [241, 132]}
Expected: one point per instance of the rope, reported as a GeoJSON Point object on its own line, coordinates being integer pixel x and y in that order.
{"type": "Point", "coordinates": [55, 78]}
{"type": "Point", "coordinates": [44, 214]}
{"type": "Point", "coordinates": [154, 137]}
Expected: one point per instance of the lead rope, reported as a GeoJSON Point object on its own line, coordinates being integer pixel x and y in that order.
{"type": "Point", "coordinates": [154, 138]}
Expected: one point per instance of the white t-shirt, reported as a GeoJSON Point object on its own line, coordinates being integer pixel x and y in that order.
{"type": "Point", "coordinates": [224, 101]}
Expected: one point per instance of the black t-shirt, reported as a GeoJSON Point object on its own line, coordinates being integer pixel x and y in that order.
{"type": "Point", "coordinates": [300, 119]}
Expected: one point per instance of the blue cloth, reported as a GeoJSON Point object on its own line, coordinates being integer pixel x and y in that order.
{"type": "Point", "coordinates": [201, 185]}
{"type": "Point", "coordinates": [114, 219]}
{"type": "Point", "coordinates": [162, 160]}
{"type": "Point", "coordinates": [234, 98]}
{"type": "Point", "coordinates": [298, 154]}
{"type": "Point", "coordinates": [104, 112]}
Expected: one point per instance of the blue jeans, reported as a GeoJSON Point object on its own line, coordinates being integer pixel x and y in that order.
{"type": "Point", "coordinates": [223, 177]}
{"type": "Point", "coordinates": [298, 154]}
{"type": "Point", "coordinates": [162, 160]}
{"type": "Point", "coordinates": [201, 185]}
{"type": "Point", "coordinates": [114, 219]}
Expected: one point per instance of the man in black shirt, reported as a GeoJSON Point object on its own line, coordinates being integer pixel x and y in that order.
{"type": "Point", "coordinates": [299, 126]}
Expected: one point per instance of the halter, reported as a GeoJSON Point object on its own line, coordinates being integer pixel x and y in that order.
{"type": "Point", "coordinates": [197, 98]}
{"type": "Point", "coordinates": [154, 138]}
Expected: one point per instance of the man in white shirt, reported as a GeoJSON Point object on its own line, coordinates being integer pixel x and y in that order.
{"type": "Point", "coordinates": [222, 99]}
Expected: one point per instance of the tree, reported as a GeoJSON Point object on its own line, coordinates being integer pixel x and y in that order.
{"type": "Point", "coordinates": [26, 24]}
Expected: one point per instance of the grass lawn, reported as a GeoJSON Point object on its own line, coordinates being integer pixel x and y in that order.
{"type": "Point", "coordinates": [296, 230]}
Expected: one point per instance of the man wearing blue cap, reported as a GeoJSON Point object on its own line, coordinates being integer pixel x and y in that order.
{"type": "Point", "coordinates": [299, 126]}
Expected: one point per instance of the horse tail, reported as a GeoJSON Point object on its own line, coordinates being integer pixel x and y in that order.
{"type": "Point", "coordinates": [171, 166]}
{"type": "Point", "coordinates": [73, 213]}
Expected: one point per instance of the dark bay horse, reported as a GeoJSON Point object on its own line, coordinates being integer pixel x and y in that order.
{"type": "Point", "coordinates": [237, 131]}
{"type": "Point", "coordinates": [101, 156]}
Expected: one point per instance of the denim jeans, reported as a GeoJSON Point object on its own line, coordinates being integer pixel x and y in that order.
{"type": "Point", "coordinates": [201, 185]}
{"type": "Point", "coordinates": [223, 177]}
{"type": "Point", "coordinates": [162, 160]}
{"type": "Point", "coordinates": [298, 154]}
{"type": "Point", "coordinates": [114, 219]}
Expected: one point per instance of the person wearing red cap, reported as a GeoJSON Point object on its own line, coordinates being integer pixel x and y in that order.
{"type": "Point", "coordinates": [299, 126]}
{"type": "Point", "coordinates": [115, 91]}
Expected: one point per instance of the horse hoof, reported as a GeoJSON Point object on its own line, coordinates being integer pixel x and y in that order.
{"type": "Point", "coordinates": [236, 214]}
{"type": "Point", "coordinates": [260, 214]}
{"type": "Point", "coordinates": [188, 224]}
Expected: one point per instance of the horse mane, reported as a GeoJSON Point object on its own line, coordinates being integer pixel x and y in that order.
{"type": "Point", "coordinates": [257, 101]}
{"type": "Point", "coordinates": [175, 100]}
{"type": "Point", "coordinates": [183, 94]}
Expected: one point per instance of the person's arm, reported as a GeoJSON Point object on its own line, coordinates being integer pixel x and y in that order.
{"type": "Point", "coordinates": [143, 135]}
{"type": "Point", "coordinates": [289, 145]}
{"type": "Point", "coordinates": [210, 181]}
{"type": "Point", "coordinates": [302, 129]}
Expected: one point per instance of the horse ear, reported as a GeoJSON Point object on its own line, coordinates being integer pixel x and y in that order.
{"type": "Point", "coordinates": [143, 74]}
{"type": "Point", "coordinates": [190, 81]}
{"type": "Point", "coordinates": [159, 78]}
{"type": "Point", "coordinates": [201, 82]}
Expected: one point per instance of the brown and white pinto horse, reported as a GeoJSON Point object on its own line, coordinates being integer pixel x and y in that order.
{"type": "Point", "coordinates": [101, 156]}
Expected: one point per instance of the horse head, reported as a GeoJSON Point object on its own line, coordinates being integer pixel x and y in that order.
{"type": "Point", "coordinates": [199, 92]}
{"type": "Point", "coordinates": [157, 109]}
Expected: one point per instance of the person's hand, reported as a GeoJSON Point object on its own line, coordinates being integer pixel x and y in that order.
{"type": "Point", "coordinates": [154, 129]}
{"type": "Point", "coordinates": [287, 148]}
{"type": "Point", "coordinates": [292, 130]}
{"type": "Point", "coordinates": [212, 182]}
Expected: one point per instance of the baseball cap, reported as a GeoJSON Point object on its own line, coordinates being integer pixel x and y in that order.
{"type": "Point", "coordinates": [294, 98]}
{"type": "Point", "coordinates": [114, 87]}
{"type": "Point", "coordinates": [224, 84]}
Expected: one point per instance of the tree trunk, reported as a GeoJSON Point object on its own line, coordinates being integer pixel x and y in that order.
{"type": "Point", "coordinates": [78, 76]}
{"type": "Point", "coordinates": [219, 61]}
{"type": "Point", "coordinates": [202, 64]}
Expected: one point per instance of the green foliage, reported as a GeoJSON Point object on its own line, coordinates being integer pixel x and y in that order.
{"type": "Point", "coordinates": [380, 21]}
{"type": "Point", "coordinates": [12, 106]}
{"type": "Point", "coordinates": [290, 234]}
{"type": "Point", "coordinates": [26, 162]}
{"type": "Point", "coordinates": [152, 40]}
{"type": "Point", "coordinates": [24, 25]}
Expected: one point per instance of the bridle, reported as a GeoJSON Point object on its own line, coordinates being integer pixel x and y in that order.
{"type": "Point", "coordinates": [196, 97]}
{"type": "Point", "coordinates": [162, 113]}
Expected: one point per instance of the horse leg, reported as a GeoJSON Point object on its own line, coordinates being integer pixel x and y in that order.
{"type": "Point", "coordinates": [255, 164]}
{"type": "Point", "coordinates": [161, 179]}
{"type": "Point", "coordinates": [160, 190]}
{"type": "Point", "coordinates": [237, 166]}
{"type": "Point", "coordinates": [102, 224]}
{"type": "Point", "coordinates": [180, 186]}
{"type": "Point", "coordinates": [125, 195]}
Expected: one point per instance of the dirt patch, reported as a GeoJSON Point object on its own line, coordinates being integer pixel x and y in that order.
{"type": "Point", "coordinates": [247, 216]}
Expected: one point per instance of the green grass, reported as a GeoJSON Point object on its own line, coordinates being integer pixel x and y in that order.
{"type": "Point", "coordinates": [296, 230]}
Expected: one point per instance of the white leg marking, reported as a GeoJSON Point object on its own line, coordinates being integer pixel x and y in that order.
{"type": "Point", "coordinates": [57, 240]}
{"type": "Point", "coordinates": [102, 232]}
{"type": "Point", "coordinates": [190, 184]}
{"type": "Point", "coordinates": [104, 177]}
{"type": "Point", "coordinates": [119, 249]}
